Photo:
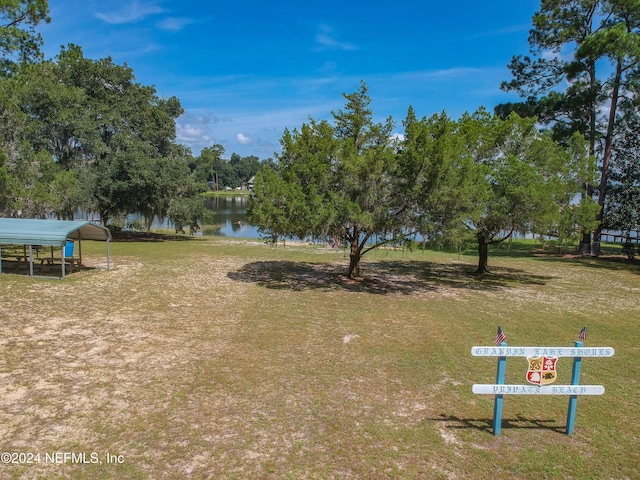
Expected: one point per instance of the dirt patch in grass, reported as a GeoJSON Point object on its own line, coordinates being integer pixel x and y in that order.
{"type": "Point", "coordinates": [85, 358]}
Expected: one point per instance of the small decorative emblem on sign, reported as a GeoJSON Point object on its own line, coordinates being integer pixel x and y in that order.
{"type": "Point", "coordinates": [542, 370]}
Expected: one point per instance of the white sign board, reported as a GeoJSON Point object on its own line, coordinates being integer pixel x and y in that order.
{"type": "Point", "coordinates": [499, 389]}
{"type": "Point", "coordinates": [493, 351]}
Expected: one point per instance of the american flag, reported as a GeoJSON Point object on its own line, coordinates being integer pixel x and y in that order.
{"type": "Point", "coordinates": [583, 333]}
{"type": "Point", "coordinates": [500, 336]}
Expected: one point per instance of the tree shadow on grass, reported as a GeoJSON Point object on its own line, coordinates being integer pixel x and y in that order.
{"type": "Point", "coordinates": [381, 277]}
{"type": "Point", "coordinates": [606, 262]}
{"type": "Point", "coordinates": [486, 424]}
{"type": "Point", "coordinates": [127, 236]}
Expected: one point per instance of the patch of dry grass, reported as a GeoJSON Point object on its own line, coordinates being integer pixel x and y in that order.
{"type": "Point", "coordinates": [224, 359]}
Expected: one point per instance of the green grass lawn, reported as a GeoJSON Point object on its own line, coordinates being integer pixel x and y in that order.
{"type": "Point", "coordinates": [230, 359]}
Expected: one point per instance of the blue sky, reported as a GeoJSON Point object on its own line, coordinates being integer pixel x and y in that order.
{"type": "Point", "coordinates": [245, 70]}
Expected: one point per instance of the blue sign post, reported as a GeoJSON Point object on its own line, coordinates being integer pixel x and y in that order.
{"type": "Point", "coordinates": [497, 405]}
{"type": "Point", "coordinates": [573, 399]}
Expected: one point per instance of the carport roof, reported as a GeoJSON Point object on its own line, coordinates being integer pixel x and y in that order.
{"type": "Point", "coordinates": [19, 231]}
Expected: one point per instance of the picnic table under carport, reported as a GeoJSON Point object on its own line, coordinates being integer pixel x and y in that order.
{"type": "Point", "coordinates": [34, 233]}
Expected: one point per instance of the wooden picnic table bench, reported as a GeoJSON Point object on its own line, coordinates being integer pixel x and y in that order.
{"type": "Point", "coordinates": [74, 262]}
{"type": "Point", "coordinates": [48, 261]}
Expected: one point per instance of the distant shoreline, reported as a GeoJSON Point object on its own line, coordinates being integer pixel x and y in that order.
{"type": "Point", "coordinates": [226, 193]}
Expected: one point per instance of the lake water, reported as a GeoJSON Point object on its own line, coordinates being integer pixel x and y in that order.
{"type": "Point", "coordinates": [231, 217]}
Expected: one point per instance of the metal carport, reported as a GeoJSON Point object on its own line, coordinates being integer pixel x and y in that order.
{"type": "Point", "coordinates": [18, 231]}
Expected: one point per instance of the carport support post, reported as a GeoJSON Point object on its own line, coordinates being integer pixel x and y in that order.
{"type": "Point", "coordinates": [573, 399]}
{"type": "Point", "coordinates": [63, 261]}
{"type": "Point", "coordinates": [30, 260]}
{"type": "Point", "coordinates": [497, 405]}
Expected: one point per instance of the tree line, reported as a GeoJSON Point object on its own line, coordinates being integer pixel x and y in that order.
{"type": "Point", "coordinates": [582, 75]}
{"type": "Point", "coordinates": [78, 133]}
{"type": "Point", "coordinates": [563, 161]}
{"type": "Point", "coordinates": [82, 133]}
{"type": "Point", "coordinates": [478, 178]}
{"type": "Point", "coordinates": [224, 174]}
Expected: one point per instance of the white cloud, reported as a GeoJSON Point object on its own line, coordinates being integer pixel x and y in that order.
{"type": "Point", "coordinates": [444, 73]}
{"type": "Point", "coordinates": [131, 13]}
{"type": "Point", "coordinates": [196, 130]}
{"type": "Point", "coordinates": [188, 133]}
{"type": "Point", "coordinates": [509, 29]}
{"type": "Point", "coordinates": [174, 24]}
{"type": "Point", "coordinates": [244, 139]}
{"type": "Point", "coordinates": [325, 38]}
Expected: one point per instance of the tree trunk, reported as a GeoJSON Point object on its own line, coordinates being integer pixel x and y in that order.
{"type": "Point", "coordinates": [148, 218]}
{"type": "Point", "coordinates": [606, 157]}
{"type": "Point", "coordinates": [585, 241]}
{"type": "Point", "coordinates": [104, 218]}
{"type": "Point", "coordinates": [483, 251]}
{"type": "Point", "coordinates": [354, 259]}
{"type": "Point", "coordinates": [585, 244]}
